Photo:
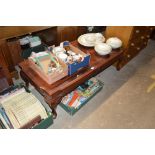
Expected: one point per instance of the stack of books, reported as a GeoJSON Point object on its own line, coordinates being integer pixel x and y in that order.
{"type": "Point", "coordinates": [19, 108]}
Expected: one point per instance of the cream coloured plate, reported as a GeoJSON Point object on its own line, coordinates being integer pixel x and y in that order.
{"type": "Point", "coordinates": [90, 39]}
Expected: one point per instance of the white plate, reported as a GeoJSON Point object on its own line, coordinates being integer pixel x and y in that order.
{"type": "Point", "coordinates": [90, 39]}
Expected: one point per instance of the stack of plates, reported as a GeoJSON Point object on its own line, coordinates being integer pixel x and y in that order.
{"type": "Point", "coordinates": [90, 39]}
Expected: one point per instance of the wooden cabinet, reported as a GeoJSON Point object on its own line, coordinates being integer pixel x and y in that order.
{"type": "Point", "coordinates": [134, 39]}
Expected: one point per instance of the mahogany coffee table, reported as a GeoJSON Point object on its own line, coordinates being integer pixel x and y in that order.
{"type": "Point", "coordinates": [55, 92]}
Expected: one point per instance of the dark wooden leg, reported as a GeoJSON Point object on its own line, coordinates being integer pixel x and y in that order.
{"type": "Point", "coordinates": [118, 66]}
{"type": "Point", "coordinates": [54, 113]}
{"type": "Point", "coordinates": [25, 79]}
{"type": "Point", "coordinates": [53, 103]}
{"type": "Point", "coordinates": [119, 63]}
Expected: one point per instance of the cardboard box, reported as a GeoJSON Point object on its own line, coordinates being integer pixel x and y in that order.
{"type": "Point", "coordinates": [52, 77]}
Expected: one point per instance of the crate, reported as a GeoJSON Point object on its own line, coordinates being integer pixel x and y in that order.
{"type": "Point", "coordinates": [43, 124]}
{"type": "Point", "coordinates": [72, 110]}
{"type": "Point", "coordinates": [49, 78]}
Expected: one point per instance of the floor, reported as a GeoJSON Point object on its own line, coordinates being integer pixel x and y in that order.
{"type": "Point", "coordinates": [122, 103]}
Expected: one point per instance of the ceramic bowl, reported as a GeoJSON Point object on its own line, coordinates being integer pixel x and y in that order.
{"type": "Point", "coordinates": [103, 49]}
{"type": "Point", "coordinates": [58, 49]}
{"type": "Point", "coordinates": [63, 57]}
{"type": "Point", "coordinates": [114, 42]}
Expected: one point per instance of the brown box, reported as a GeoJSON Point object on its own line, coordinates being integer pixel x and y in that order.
{"type": "Point", "coordinates": [49, 78]}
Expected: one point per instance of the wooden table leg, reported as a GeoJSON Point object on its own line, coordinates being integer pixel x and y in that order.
{"type": "Point", "coordinates": [25, 79]}
{"type": "Point", "coordinates": [119, 65]}
{"type": "Point", "coordinates": [54, 113]}
{"type": "Point", "coordinates": [53, 103]}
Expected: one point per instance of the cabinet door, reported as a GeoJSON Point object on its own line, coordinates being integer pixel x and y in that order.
{"type": "Point", "coordinates": [140, 37]}
{"type": "Point", "coordinates": [4, 70]}
{"type": "Point", "coordinates": [138, 41]}
{"type": "Point", "coordinates": [15, 51]}
{"type": "Point", "coordinates": [4, 50]}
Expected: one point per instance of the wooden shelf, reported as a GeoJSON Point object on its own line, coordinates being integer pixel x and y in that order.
{"type": "Point", "coordinates": [8, 32]}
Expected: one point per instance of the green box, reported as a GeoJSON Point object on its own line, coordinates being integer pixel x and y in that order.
{"type": "Point", "coordinates": [44, 123]}
{"type": "Point", "coordinates": [72, 111]}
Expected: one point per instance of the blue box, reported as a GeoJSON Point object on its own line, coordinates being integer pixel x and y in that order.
{"type": "Point", "coordinates": [72, 68]}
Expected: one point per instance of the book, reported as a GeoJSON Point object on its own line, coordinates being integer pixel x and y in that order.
{"type": "Point", "coordinates": [74, 98]}
{"type": "Point", "coordinates": [5, 120]}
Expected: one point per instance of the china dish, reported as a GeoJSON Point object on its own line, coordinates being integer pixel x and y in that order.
{"type": "Point", "coordinates": [58, 49]}
{"type": "Point", "coordinates": [67, 55]}
{"type": "Point", "coordinates": [90, 39]}
{"type": "Point", "coordinates": [103, 49]}
{"type": "Point", "coordinates": [62, 56]}
{"type": "Point", "coordinates": [114, 42]}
